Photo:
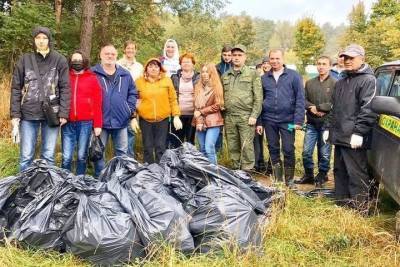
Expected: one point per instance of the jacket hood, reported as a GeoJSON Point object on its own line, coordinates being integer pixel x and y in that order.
{"type": "Point", "coordinates": [176, 55]}
{"type": "Point", "coordinates": [45, 31]}
{"type": "Point", "coordinates": [365, 69]}
{"type": "Point", "coordinates": [98, 69]}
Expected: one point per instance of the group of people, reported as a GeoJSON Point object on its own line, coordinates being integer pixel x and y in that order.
{"type": "Point", "coordinates": [171, 103]}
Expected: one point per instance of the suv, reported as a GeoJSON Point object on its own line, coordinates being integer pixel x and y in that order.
{"type": "Point", "coordinates": [384, 156]}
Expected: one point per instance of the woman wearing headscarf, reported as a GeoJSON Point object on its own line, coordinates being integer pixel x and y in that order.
{"type": "Point", "coordinates": [157, 102]}
{"type": "Point", "coordinates": [209, 101]}
{"type": "Point", "coordinates": [170, 58]}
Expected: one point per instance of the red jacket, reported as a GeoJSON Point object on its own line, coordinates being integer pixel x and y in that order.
{"type": "Point", "coordinates": [86, 98]}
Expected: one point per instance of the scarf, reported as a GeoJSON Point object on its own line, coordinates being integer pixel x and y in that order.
{"type": "Point", "coordinates": [187, 77]}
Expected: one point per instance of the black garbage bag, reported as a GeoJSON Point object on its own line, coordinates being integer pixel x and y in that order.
{"type": "Point", "coordinates": [96, 148]}
{"type": "Point", "coordinates": [222, 215]}
{"type": "Point", "coordinates": [121, 167]}
{"type": "Point", "coordinates": [102, 232]}
{"type": "Point", "coordinates": [9, 187]}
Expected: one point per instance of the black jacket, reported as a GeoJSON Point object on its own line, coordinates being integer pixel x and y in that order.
{"type": "Point", "coordinates": [351, 107]}
{"type": "Point", "coordinates": [176, 79]}
{"type": "Point", "coordinates": [26, 96]}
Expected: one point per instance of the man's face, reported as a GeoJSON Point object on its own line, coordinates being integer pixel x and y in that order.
{"type": "Point", "coordinates": [276, 60]}
{"type": "Point", "coordinates": [130, 51]}
{"type": "Point", "coordinates": [41, 42]}
{"type": "Point", "coordinates": [108, 55]}
{"type": "Point", "coordinates": [353, 63]}
{"type": "Point", "coordinates": [323, 66]}
{"type": "Point", "coordinates": [266, 66]}
{"type": "Point", "coordinates": [227, 56]}
{"type": "Point", "coordinates": [238, 58]}
{"type": "Point", "coordinates": [340, 62]}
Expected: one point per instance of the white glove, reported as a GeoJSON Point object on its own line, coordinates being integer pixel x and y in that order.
{"type": "Point", "coordinates": [356, 141]}
{"type": "Point", "coordinates": [15, 130]}
{"type": "Point", "coordinates": [177, 123]}
{"type": "Point", "coordinates": [325, 136]}
{"type": "Point", "coordinates": [135, 125]}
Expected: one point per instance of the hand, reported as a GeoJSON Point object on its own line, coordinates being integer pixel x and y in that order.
{"type": "Point", "coordinates": [15, 121]}
{"type": "Point", "coordinates": [313, 109]}
{"type": "Point", "coordinates": [97, 131]}
{"type": "Point", "coordinates": [298, 127]}
{"type": "Point", "coordinates": [321, 114]}
{"type": "Point", "coordinates": [325, 136]}
{"type": "Point", "coordinates": [135, 125]}
{"type": "Point", "coordinates": [177, 123]}
{"type": "Point", "coordinates": [197, 114]}
{"type": "Point", "coordinates": [200, 127]}
{"type": "Point", "coordinates": [63, 121]}
{"type": "Point", "coordinates": [259, 130]}
{"type": "Point", "coordinates": [252, 121]}
{"type": "Point", "coordinates": [356, 141]}
{"type": "Point", "coordinates": [15, 132]}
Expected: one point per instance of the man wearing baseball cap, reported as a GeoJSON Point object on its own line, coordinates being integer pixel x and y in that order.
{"type": "Point", "coordinates": [349, 128]}
{"type": "Point", "coordinates": [243, 99]}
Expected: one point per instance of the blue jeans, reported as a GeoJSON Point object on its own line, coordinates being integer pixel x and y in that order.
{"type": "Point", "coordinates": [72, 134]}
{"type": "Point", "coordinates": [29, 132]}
{"type": "Point", "coordinates": [314, 136]}
{"type": "Point", "coordinates": [207, 140]}
{"type": "Point", "coordinates": [120, 144]}
{"type": "Point", "coordinates": [131, 141]}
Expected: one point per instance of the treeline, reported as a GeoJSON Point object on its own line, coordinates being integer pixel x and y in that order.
{"type": "Point", "coordinates": [197, 26]}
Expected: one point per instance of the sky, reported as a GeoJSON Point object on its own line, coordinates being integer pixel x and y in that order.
{"type": "Point", "coordinates": [333, 11]}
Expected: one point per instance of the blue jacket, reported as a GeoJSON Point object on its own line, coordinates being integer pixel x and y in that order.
{"type": "Point", "coordinates": [283, 101]}
{"type": "Point", "coordinates": [119, 97]}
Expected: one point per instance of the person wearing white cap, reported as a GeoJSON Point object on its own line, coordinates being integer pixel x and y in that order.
{"type": "Point", "coordinates": [349, 129]}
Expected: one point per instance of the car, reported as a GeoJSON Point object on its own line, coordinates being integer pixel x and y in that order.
{"type": "Point", "coordinates": [384, 155]}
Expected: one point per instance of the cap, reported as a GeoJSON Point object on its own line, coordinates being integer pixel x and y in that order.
{"type": "Point", "coordinates": [353, 50]}
{"type": "Point", "coordinates": [239, 47]}
{"type": "Point", "coordinates": [265, 59]}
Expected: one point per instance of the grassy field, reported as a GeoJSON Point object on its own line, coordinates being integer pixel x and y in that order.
{"type": "Point", "coordinates": [305, 232]}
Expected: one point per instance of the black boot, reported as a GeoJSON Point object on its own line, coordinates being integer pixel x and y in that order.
{"type": "Point", "coordinates": [308, 177]}
{"type": "Point", "coordinates": [269, 168]}
{"type": "Point", "coordinates": [289, 176]}
{"type": "Point", "coordinates": [277, 171]}
{"type": "Point", "coordinates": [320, 179]}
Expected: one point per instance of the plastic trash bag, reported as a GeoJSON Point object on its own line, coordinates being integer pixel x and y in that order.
{"type": "Point", "coordinates": [96, 148]}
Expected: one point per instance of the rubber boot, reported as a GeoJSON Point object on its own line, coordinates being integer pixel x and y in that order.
{"type": "Point", "coordinates": [320, 179]}
{"type": "Point", "coordinates": [289, 176]}
{"type": "Point", "coordinates": [308, 177]}
{"type": "Point", "coordinates": [277, 171]}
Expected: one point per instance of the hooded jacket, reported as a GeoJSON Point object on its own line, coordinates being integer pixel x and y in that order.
{"type": "Point", "coordinates": [119, 97]}
{"type": "Point", "coordinates": [222, 67]}
{"type": "Point", "coordinates": [351, 107]}
{"type": "Point", "coordinates": [171, 65]}
{"type": "Point", "coordinates": [283, 100]}
{"type": "Point", "coordinates": [86, 98]}
{"type": "Point", "coordinates": [26, 96]}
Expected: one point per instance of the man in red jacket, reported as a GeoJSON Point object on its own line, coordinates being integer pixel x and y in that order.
{"type": "Point", "coordinates": [85, 113]}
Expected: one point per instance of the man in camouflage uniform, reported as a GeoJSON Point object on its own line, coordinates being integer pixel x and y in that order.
{"type": "Point", "coordinates": [243, 100]}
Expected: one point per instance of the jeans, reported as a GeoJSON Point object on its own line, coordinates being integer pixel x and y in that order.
{"type": "Point", "coordinates": [75, 134]}
{"type": "Point", "coordinates": [207, 140]}
{"type": "Point", "coordinates": [120, 144]}
{"type": "Point", "coordinates": [29, 132]}
{"type": "Point", "coordinates": [154, 138]}
{"type": "Point", "coordinates": [131, 141]}
{"type": "Point", "coordinates": [277, 133]}
{"type": "Point", "coordinates": [314, 136]}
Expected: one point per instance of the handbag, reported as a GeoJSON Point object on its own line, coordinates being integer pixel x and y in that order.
{"type": "Point", "coordinates": [96, 148]}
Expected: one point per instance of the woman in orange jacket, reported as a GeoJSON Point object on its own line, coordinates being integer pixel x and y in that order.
{"type": "Point", "coordinates": [157, 102]}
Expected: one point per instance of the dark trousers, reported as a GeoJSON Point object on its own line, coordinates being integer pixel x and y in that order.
{"type": "Point", "coordinates": [186, 134]}
{"type": "Point", "coordinates": [277, 133]}
{"type": "Point", "coordinates": [259, 151]}
{"type": "Point", "coordinates": [352, 181]}
{"type": "Point", "coordinates": [154, 138]}
{"type": "Point", "coordinates": [220, 140]}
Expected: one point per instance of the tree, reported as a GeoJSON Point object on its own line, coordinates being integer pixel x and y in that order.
{"type": "Point", "coordinates": [283, 36]}
{"type": "Point", "coordinates": [58, 10]}
{"type": "Point", "coordinates": [88, 12]}
{"type": "Point", "coordinates": [355, 33]}
{"type": "Point", "coordinates": [309, 42]}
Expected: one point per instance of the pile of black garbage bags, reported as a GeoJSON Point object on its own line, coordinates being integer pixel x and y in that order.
{"type": "Point", "coordinates": [184, 201]}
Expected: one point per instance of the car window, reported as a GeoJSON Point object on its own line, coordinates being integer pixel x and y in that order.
{"type": "Point", "coordinates": [383, 82]}
{"type": "Point", "coordinates": [395, 91]}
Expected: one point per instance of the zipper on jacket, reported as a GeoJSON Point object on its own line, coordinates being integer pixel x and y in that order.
{"type": "Point", "coordinates": [105, 83]}
{"type": "Point", "coordinates": [75, 93]}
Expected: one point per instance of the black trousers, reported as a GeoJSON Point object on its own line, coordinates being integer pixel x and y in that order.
{"type": "Point", "coordinates": [277, 133]}
{"type": "Point", "coordinates": [352, 181]}
{"type": "Point", "coordinates": [186, 134]}
{"type": "Point", "coordinates": [259, 151]}
{"type": "Point", "coordinates": [154, 138]}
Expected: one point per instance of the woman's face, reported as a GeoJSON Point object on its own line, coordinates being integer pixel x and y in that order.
{"type": "Point", "coordinates": [76, 57]}
{"type": "Point", "coordinates": [204, 74]}
{"type": "Point", "coordinates": [153, 70]}
{"type": "Point", "coordinates": [170, 49]}
{"type": "Point", "coordinates": [187, 64]}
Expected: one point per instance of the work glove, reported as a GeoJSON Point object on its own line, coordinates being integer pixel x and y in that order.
{"type": "Point", "coordinates": [356, 141]}
{"type": "Point", "coordinates": [15, 130]}
{"type": "Point", "coordinates": [135, 125]}
{"type": "Point", "coordinates": [325, 136]}
{"type": "Point", "coordinates": [177, 123]}
{"type": "Point", "coordinates": [97, 131]}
